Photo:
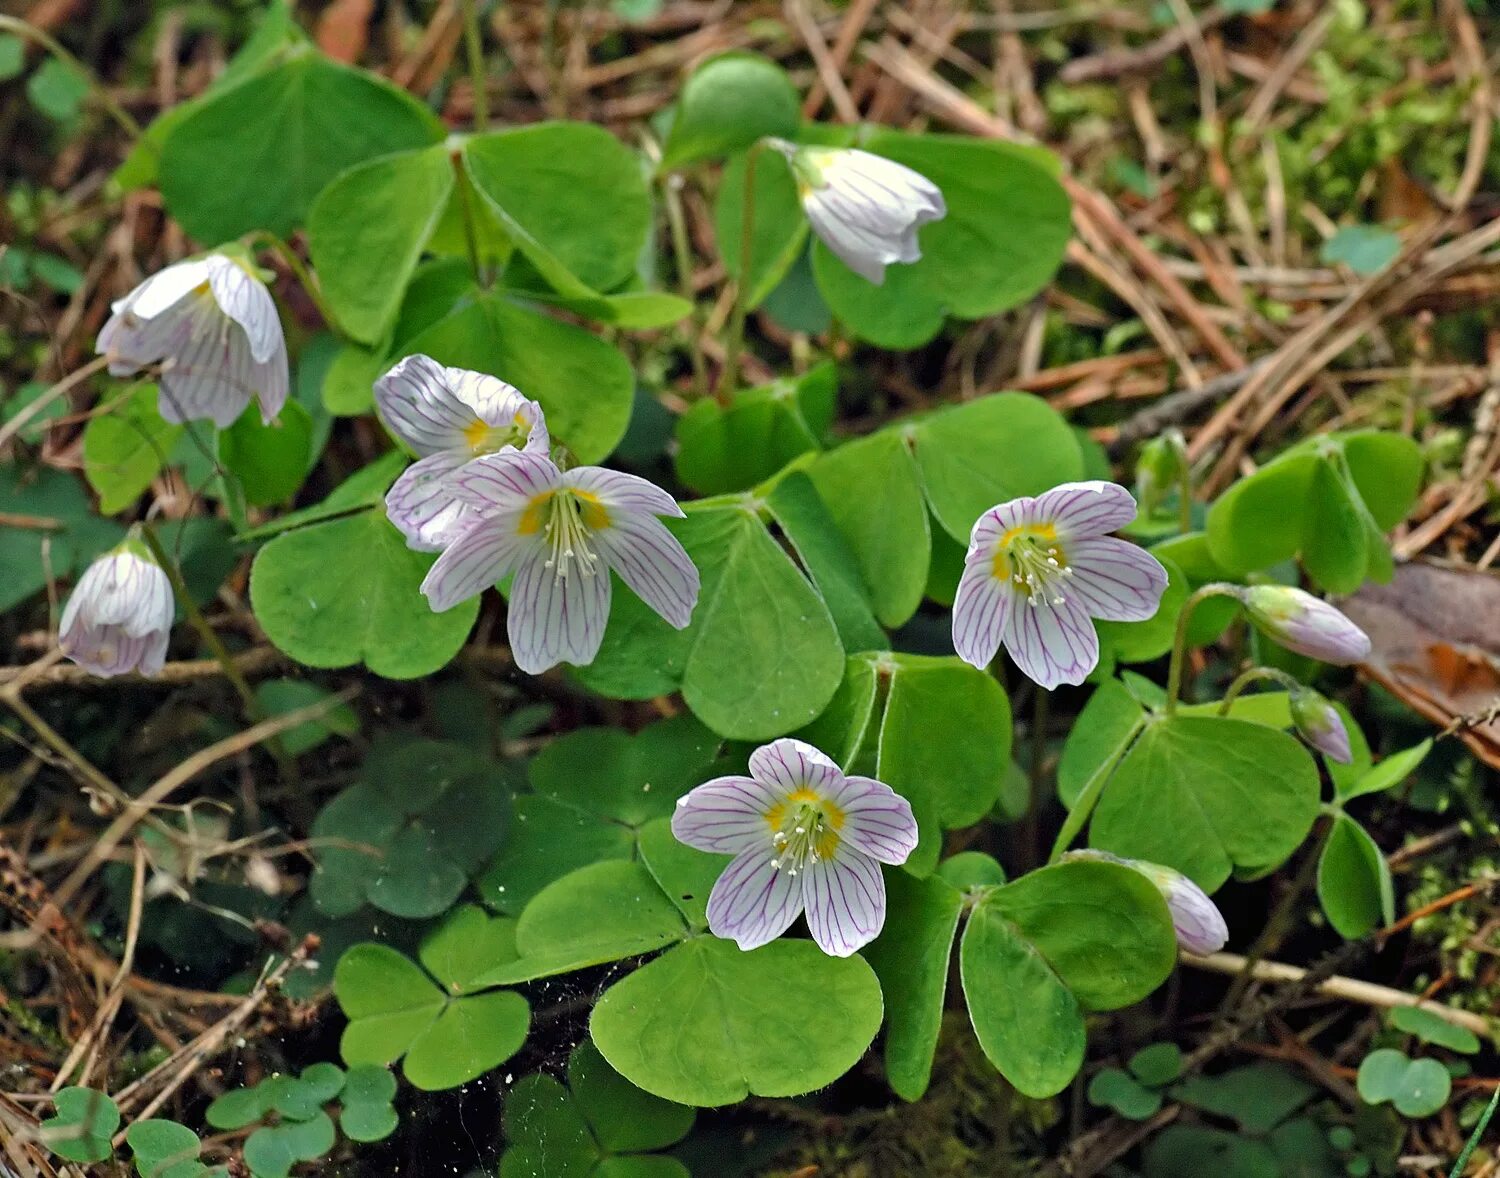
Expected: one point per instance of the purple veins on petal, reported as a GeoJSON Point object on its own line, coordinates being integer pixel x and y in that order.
{"type": "Point", "coordinates": [422, 505]}
{"type": "Point", "coordinates": [627, 492]}
{"type": "Point", "coordinates": [482, 555]}
{"type": "Point", "coordinates": [878, 821]}
{"type": "Point", "coordinates": [845, 901]}
{"type": "Point", "coordinates": [1053, 643]}
{"type": "Point", "coordinates": [653, 563]}
{"type": "Point", "coordinates": [1115, 580]}
{"type": "Point", "coordinates": [725, 816]}
{"type": "Point", "coordinates": [981, 613]}
{"type": "Point", "coordinates": [506, 481]}
{"type": "Point", "coordinates": [790, 765]}
{"type": "Point", "coordinates": [752, 903]}
{"type": "Point", "coordinates": [556, 616]}
{"type": "Point", "coordinates": [1091, 508]}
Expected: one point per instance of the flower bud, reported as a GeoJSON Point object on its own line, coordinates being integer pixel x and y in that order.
{"type": "Point", "coordinates": [1303, 623]}
{"type": "Point", "coordinates": [120, 615]}
{"type": "Point", "coordinates": [1159, 469]}
{"type": "Point", "coordinates": [1319, 723]}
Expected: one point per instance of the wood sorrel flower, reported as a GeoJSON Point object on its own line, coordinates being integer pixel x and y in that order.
{"type": "Point", "coordinates": [448, 417]}
{"type": "Point", "coordinates": [212, 325]}
{"type": "Point", "coordinates": [120, 615]}
{"type": "Point", "coordinates": [1304, 623]}
{"type": "Point", "coordinates": [803, 836]}
{"type": "Point", "coordinates": [1196, 919]}
{"type": "Point", "coordinates": [561, 532]}
{"type": "Point", "coordinates": [1038, 569]}
{"type": "Point", "coordinates": [867, 209]}
{"type": "Point", "coordinates": [1319, 723]}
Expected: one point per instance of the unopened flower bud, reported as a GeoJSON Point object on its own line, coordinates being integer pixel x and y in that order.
{"type": "Point", "coordinates": [1159, 469]}
{"type": "Point", "coordinates": [1319, 723]}
{"type": "Point", "coordinates": [1196, 919]}
{"type": "Point", "coordinates": [1306, 624]}
{"type": "Point", "coordinates": [120, 615]}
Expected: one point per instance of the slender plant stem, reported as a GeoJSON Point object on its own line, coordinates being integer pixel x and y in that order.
{"type": "Point", "coordinates": [1039, 716]}
{"type": "Point", "coordinates": [1179, 644]}
{"type": "Point", "coordinates": [11, 24]}
{"type": "Point", "coordinates": [301, 272]}
{"type": "Point", "coordinates": [735, 344]}
{"type": "Point", "coordinates": [682, 255]}
{"type": "Point", "coordinates": [1088, 796]}
{"type": "Point", "coordinates": [474, 47]}
{"type": "Point", "coordinates": [1185, 498]}
{"type": "Point", "coordinates": [1249, 676]}
{"type": "Point", "coordinates": [1473, 1142]}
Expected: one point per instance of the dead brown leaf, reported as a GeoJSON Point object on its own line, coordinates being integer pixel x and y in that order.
{"type": "Point", "coordinates": [344, 29]}
{"type": "Point", "coordinates": [1435, 644]}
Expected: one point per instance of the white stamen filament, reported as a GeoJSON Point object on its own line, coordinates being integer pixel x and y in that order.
{"type": "Point", "coordinates": [569, 537]}
{"type": "Point", "coordinates": [802, 832]}
{"type": "Point", "coordinates": [1038, 568]}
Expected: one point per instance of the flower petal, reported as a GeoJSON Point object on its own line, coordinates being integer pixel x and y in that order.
{"type": "Point", "coordinates": [555, 619]}
{"type": "Point", "coordinates": [981, 612]}
{"type": "Point", "coordinates": [1114, 579]}
{"type": "Point", "coordinates": [423, 505]}
{"type": "Point", "coordinates": [620, 491]}
{"type": "Point", "coordinates": [789, 765]}
{"type": "Point", "coordinates": [245, 299]}
{"type": "Point", "coordinates": [483, 554]}
{"type": "Point", "coordinates": [421, 408]}
{"type": "Point", "coordinates": [1053, 644]}
{"type": "Point", "coordinates": [1090, 508]}
{"type": "Point", "coordinates": [877, 820]}
{"type": "Point", "coordinates": [725, 816]}
{"type": "Point", "coordinates": [752, 903]}
{"type": "Point", "coordinates": [506, 481]}
{"type": "Point", "coordinates": [845, 901]}
{"type": "Point", "coordinates": [499, 404]}
{"type": "Point", "coordinates": [653, 563]}
{"type": "Point", "coordinates": [165, 289]}
{"type": "Point", "coordinates": [985, 535]}
{"type": "Point", "coordinates": [210, 374]}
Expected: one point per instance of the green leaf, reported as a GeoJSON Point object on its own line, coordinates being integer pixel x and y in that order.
{"type": "Point", "coordinates": [271, 461]}
{"type": "Point", "coordinates": [366, 487]}
{"type": "Point", "coordinates": [1354, 881]}
{"type": "Point", "coordinates": [1109, 721]}
{"type": "Point", "coordinates": [546, 1133]}
{"type": "Point", "coordinates": [366, 231]}
{"type": "Point", "coordinates": [728, 103]}
{"type": "Point", "coordinates": [83, 1126]}
{"type": "Point", "coordinates": [346, 591]}
{"type": "Point", "coordinates": [1335, 546]}
{"type": "Point", "coordinates": [1158, 1064]}
{"type": "Point", "coordinates": [595, 789]}
{"type": "Point", "coordinates": [1387, 470]}
{"type": "Point", "coordinates": [960, 452]}
{"type": "Point", "coordinates": [733, 449]}
{"type": "Point", "coordinates": [1032, 962]}
{"type": "Point", "coordinates": [910, 957]}
{"type": "Point", "coordinates": [57, 89]}
{"type": "Point", "coordinates": [1365, 249]}
{"type": "Point", "coordinates": [271, 1152]}
{"type": "Point", "coordinates": [394, 1008]}
{"type": "Point", "coordinates": [237, 1108]}
{"type": "Point", "coordinates": [1112, 1088]}
{"type": "Point", "coordinates": [1259, 1096]}
{"type": "Point", "coordinates": [1417, 1087]}
{"type": "Point", "coordinates": [571, 197]}
{"type": "Point", "coordinates": [466, 945]}
{"type": "Point", "coordinates": [1208, 795]}
{"type": "Point", "coordinates": [348, 385]}
{"type": "Point", "coordinates": [945, 735]}
{"type": "Point", "coordinates": [126, 447]}
{"type": "Point", "coordinates": [1259, 521]}
{"type": "Point", "coordinates": [255, 155]}
{"type": "Point", "coordinates": [1431, 1027]}
{"type": "Point", "coordinates": [276, 697]}
{"type": "Point", "coordinates": [873, 489]}
{"type": "Point", "coordinates": [1008, 222]}
{"type": "Point", "coordinates": [584, 386]}
{"type": "Point", "coordinates": [761, 657]}
{"type": "Point", "coordinates": [822, 550]}
{"type": "Point", "coordinates": [38, 423]}
{"type": "Point", "coordinates": [624, 1119]}
{"type": "Point", "coordinates": [367, 1113]}
{"type": "Point", "coordinates": [640, 310]}
{"type": "Point", "coordinates": [1150, 638]}
{"type": "Point", "coordinates": [705, 1024]}
{"type": "Point", "coordinates": [1390, 772]}
{"type": "Point", "coordinates": [599, 913]}
{"type": "Point", "coordinates": [778, 228]}
{"type": "Point", "coordinates": [72, 534]}
{"type": "Point", "coordinates": [164, 1149]}
{"type": "Point", "coordinates": [1190, 1151]}
{"type": "Point", "coordinates": [686, 875]}
{"type": "Point", "coordinates": [12, 56]}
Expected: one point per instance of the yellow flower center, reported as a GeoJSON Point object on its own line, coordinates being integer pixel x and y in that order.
{"type": "Point", "coordinates": [567, 518]}
{"type": "Point", "coordinates": [804, 829]}
{"type": "Point", "coordinates": [1032, 559]}
{"type": "Point", "coordinates": [483, 438]}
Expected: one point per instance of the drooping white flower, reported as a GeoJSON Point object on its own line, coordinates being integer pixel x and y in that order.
{"type": "Point", "coordinates": [865, 208]}
{"type": "Point", "coordinates": [212, 325]}
{"type": "Point", "coordinates": [120, 615]}
{"type": "Point", "coordinates": [1038, 570]}
{"type": "Point", "coordinates": [561, 532]}
{"type": "Point", "coordinates": [1304, 623]}
{"type": "Point", "coordinates": [448, 417]}
{"type": "Point", "coordinates": [804, 837]}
